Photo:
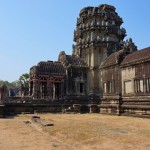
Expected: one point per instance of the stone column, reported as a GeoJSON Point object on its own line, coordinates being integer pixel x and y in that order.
{"type": "Point", "coordinates": [30, 88]}
{"type": "Point", "coordinates": [50, 90]}
{"type": "Point", "coordinates": [62, 90]}
{"type": "Point", "coordinates": [93, 73]}
{"type": "Point", "coordinates": [144, 84]}
{"type": "Point", "coordinates": [53, 90]}
{"type": "Point", "coordinates": [35, 89]}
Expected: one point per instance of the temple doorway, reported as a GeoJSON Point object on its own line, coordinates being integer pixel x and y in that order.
{"type": "Point", "coordinates": [57, 90]}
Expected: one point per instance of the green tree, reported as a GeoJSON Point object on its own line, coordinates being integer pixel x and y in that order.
{"type": "Point", "coordinates": [9, 84]}
{"type": "Point", "coordinates": [15, 83]}
{"type": "Point", "coordinates": [24, 79]}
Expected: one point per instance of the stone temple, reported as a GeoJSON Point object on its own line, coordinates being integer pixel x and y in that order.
{"type": "Point", "coordinates": [104, 74]}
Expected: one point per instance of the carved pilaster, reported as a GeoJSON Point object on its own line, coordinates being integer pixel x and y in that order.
{"type": "Point", "coordinates": [35, 89]}
{"type": "Point", "coordinates": [50, 90]}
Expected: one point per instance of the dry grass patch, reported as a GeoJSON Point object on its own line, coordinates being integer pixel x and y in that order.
{"type": "Point", "coordinates": [78, 131]}
{"type": "Point", "coordinates": [100, 130]}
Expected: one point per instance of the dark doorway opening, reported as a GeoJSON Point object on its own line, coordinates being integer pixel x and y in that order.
{"type": "Point", "coordinates": [31, 88]}
{"type": "Point", "coordinates": [81, 87]}
{"type": "Point", "coordinates": [57, 90]}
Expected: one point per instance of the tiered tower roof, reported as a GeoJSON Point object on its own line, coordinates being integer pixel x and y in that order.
{"type": "Point", "coordinates": [98, 26]}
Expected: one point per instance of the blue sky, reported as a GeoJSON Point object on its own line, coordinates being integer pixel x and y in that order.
{"type": "Point", "coordinates": [37, 30]}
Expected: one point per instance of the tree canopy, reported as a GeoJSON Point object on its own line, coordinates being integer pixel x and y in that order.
{"type": "Point", "coordinates": [23, 79]}
{"type": "Point", "coordinates": [9, 84]}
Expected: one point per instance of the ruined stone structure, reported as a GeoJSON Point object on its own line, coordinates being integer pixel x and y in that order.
{"type": "Point", "coordinates": [3, 99]}
{"type": "Point", "coordinates": [3, 94]}
{"type": "Point", "coordinates": [98, 34]}
{"type": "Point", "coordinates": [47, 80]}
{"type": "Point", "coordinates": [125, 78]}
{"type": "Point", "coordinates": [135, 73]}
{"type": "Point", "coordinates": [104, 73]}
{"type": "Point", "coordinates": [76, 77]}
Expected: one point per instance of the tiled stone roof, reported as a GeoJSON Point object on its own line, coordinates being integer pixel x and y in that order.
{"type": "Point", "coordinates": [48, 68]}
{"type": "Point", "coordinates": [119, 57]}
{"type": "Point", "coordinates": [75, 61]}
{"type": "Point", "coordinates": [113, 59]}
{"type": "Point", "coordinates": [71, 60]}
{"type": "Point", "coordinates": [137, 57]}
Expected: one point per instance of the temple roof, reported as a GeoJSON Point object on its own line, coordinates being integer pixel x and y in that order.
{"type": "Point", "coordinates": [113, 59]}
{"type": "Point", "coordinates": [71, 60]}
{"type": "Point", "coordinates": [137, 57]}
{"type": "Point", "coordinates": [101, 7]}
{"type": "Point", "coordinates": [48, 68]}
{"type": "Point", "coordinates": [75, 61]}
{"type": "Point", "coordinates": [126, 59]}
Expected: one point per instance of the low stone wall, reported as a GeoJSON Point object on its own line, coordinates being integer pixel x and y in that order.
{"type": "Point", "coordinates": [110, 109]}
{"type": "Point", "coordinates": [94, 108]}
{"type": "Point", "coordinates": [47, 108]}
{"type": "Point", "coordinates": [15, 108]}
{"type": "Point", "coordinates": [110, 106]}
{"type": "Point", "coordinates": [136, 106]}
{"type": "Point", "coordinates": [128, 107]}
{"type": "Point", "coordinates": [18, 108]}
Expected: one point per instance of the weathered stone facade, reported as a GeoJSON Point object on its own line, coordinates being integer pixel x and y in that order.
{"type": "Point", "coordinates": [76, 77]}
{"type": "Point", "coordinates": [3, 94]}
{"type": "Point", "coordinates": [104, 73]}
{"type": "Point", "coordinates": [98, 34]}
{"type": "Point", "coordinates": [130, 86]}
{"type": "Point", "coordinates": [112, 76]}
{"type": "Point", "coordinates": [47, 80]}
{"type": "Point", "coordinates": [135, 72]}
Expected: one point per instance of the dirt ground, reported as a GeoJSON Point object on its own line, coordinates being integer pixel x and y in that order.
{"type": "Point", "coordinates": [75, 132]}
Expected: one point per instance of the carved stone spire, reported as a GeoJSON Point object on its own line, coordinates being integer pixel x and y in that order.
{"type": "Point", "coordinates": [98, 26]}
{"type": "Point", "coordinates": [98, 34]}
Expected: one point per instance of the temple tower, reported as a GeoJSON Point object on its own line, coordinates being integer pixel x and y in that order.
{"type": "Point", "coordinates": [97, 35]}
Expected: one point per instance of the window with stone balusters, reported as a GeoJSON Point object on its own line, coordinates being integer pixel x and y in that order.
{"type": "Point", "coordinates": [139, 85]}
{"type": "Point", "coordinates": [107, 87]}
{"type": "Point", "coordinates": [147, 84]}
